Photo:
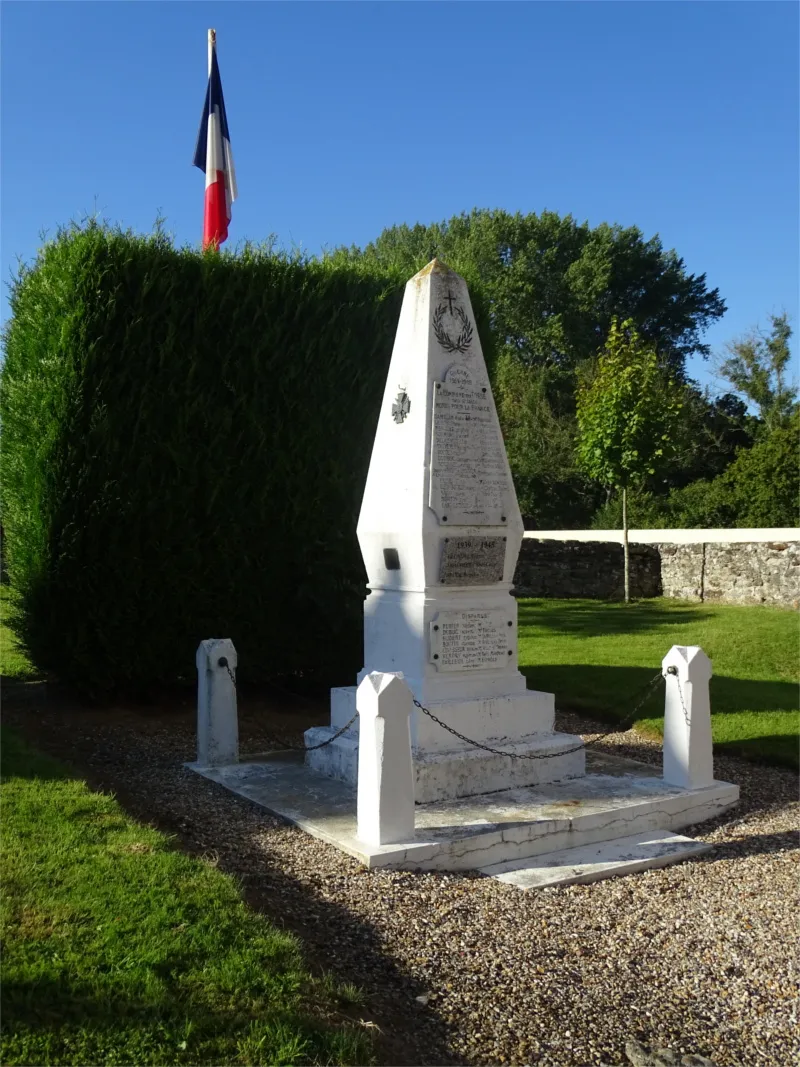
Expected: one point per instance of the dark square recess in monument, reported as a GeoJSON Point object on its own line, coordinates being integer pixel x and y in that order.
{"type": "Point", "coordinates": [391, 559]}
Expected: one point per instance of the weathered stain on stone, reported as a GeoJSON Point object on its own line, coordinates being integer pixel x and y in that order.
{"type": "Point", "coordinates": [434, 267]}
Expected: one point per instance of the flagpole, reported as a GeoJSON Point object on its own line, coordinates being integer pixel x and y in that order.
{"type": "Point", "coordinates": [212, 40]}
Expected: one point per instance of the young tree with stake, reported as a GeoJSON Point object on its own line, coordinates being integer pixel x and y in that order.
{"type": "Point", "coordinates": [627, 409]}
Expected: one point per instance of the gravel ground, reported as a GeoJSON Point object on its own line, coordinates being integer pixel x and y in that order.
{"type": "Point", "coordinates": [699, 958]}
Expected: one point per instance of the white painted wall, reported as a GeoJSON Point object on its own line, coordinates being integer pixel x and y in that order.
{"type": "Point", "coordinates": [671, 537]}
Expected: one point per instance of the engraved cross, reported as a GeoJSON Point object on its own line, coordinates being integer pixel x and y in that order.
{"type": "Point", "coordinates": [450, 298]}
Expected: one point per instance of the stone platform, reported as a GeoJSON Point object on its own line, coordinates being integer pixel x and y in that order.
{"type": "Point", "coordinates": [460, 773]}
{"type": "Point", "coordinates": [444, 767]}
{"type": "Point", "coordinates": [617, 799]}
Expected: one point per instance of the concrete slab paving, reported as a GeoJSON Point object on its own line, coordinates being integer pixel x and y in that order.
{"type": "Point", "coordinates": [591, 863]}
{"type": "Point", "coordinates": [475, 832]}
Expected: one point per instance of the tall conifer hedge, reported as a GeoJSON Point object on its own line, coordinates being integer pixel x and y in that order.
{"type": "Point", "coordinates": [185, 443]}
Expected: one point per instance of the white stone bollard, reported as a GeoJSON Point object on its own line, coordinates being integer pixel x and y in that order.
{"type": "Point", "coordinates": [385, 805]}
{"type": "Point", "coordinates": [688, 758]}
{"type": "Point", "coordinates": [217, 716]}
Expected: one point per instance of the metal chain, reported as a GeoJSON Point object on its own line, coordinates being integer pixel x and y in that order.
{"type": "Point", "coordinates": [617, 728]}
{"type": "Point", "coordinates": [222, 662]}
{"type": "Point", "coordinates": [288, 746]}
{"type": "Point", "coordinates": [674, 672]}
{"type": "Point", "coordinates": [621, 727]}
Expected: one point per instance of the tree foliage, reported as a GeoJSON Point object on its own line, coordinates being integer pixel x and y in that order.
{"type": "Point", "coordinates": [553, 284]}
{"type": "Point", "coordinates": [759, 489]}
{"type": "Point", "coordinates": [627, 407]}
{"type": "Point", "coordinates": [708, 434]}
{"type": "Point", "coordinates": [757, 367]}
{"type": "Point", "coordinates": [539, 431]}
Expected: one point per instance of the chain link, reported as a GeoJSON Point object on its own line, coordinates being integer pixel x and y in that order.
{"type": "Point", "coordinates": [616, 729]}
{"type": "Point", "coordinates": [674, 672]}
{"type": "Point", "coordinates": [322, 744]}
{"type": "Point", "coordinates": [222, 662]}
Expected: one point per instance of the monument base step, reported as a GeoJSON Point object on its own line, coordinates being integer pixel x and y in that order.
{"type": "Point", "coordinates": [622, 800]}
{"type": "Point", "coordinates": [462, 773]}
{"type": "Point", "coordinates": [591, 863]}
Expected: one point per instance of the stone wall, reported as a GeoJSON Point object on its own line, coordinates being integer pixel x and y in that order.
{"type": "Point", "coordinates": [592, 569]}
{"type": "Point", "coordinates": [764, 572]}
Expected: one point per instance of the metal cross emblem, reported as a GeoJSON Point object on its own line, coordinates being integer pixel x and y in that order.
{"type": "Point", "coordinates": [401, 408]}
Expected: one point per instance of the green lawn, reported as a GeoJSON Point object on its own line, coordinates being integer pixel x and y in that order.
{"type": "Point", "coordinates": [596, 655]}
{"type": "Point", "coordinates": [118, 949]}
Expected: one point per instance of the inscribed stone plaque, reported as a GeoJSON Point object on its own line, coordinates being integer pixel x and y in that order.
{"type": "Point", "coordinates": [470, 483]}
{"type": "Point", "coordinates": [471, 640]}
{"type": "Point", "coordinates": [472, 560]}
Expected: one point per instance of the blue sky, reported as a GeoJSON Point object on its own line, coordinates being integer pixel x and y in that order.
{"type": "Point", "coordinates": [345, 118]}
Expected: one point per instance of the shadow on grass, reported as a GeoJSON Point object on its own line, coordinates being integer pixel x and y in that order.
{"type": "Point", "coordinates": [333, 935]}
{"type": "Point", "coordinates": [610, 693]}
{"type": "Point", "coordinates": [333, 938]}
{"type": "Point", "coordinates": [779, 749]}
{"type": "Point", "coordinates": [607, 691]}
{"type": "Point", "coordinates": [75, 1024]}
{"type": "Point", "coordinates": [19, 761]}
{"type": "Point", "coordinates": [592, 617]}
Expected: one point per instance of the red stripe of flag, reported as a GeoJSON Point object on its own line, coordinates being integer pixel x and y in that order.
{"type": "Point", "coordinates": [213, 156]}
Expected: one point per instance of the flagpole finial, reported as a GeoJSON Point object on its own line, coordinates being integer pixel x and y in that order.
{"type": "Point", "coordinates": [212, 44]}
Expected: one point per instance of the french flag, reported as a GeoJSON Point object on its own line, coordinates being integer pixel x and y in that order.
{"type": "Point", "coordinates": [213, 155]}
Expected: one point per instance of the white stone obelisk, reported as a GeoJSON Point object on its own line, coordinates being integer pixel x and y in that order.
{"type": "Point", "coordinates": [440, 531]}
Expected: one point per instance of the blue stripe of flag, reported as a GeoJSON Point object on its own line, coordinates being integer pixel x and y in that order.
{"type": "Point", "coordinates": [214, 98]}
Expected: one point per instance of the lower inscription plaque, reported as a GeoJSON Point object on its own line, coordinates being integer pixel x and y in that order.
{"type": "Point", "coordinates": [472, 560]}
{"type": "Point", "coordinates": [471, 639]}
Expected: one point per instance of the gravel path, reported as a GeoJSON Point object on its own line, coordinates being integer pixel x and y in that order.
{"type": "Point", "coordinates": [700, 957]}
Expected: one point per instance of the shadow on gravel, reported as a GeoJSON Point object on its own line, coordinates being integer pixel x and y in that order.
{"type": "Point", "coordinates": [138, 754]}
{"type": "Point", "coordinates": [752, 845]}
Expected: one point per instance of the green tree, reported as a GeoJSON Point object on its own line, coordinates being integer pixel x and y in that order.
{"type": "Point", "coordinates": [709, 434]}
{"type": "Point", "coordinates": [763, 481]}
{"type": "Point", "coordinates": [540, 441]}
{"type": "Point", "coordinates": [760, 488]}
{"type": "Point", "coordinates": [552, 286]}
{"type": "Point", "coordinates": [627, 410]}
{"type": "Point", "coordinates": [758, 366]}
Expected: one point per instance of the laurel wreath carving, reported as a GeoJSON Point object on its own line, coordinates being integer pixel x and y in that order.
{"type": "Point", "coordinates": [462, 342]}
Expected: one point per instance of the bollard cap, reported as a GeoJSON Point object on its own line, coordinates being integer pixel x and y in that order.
{"type": "Point", "coordinates": [690, 662]}
{"type": "Point", "coordinates": [212, 650]}
{"type": "Point", "coordinates": [384, 692]}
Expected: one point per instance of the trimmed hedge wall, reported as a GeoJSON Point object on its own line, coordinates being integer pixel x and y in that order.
{"type": "Point", "coordinates": [185, 443]}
